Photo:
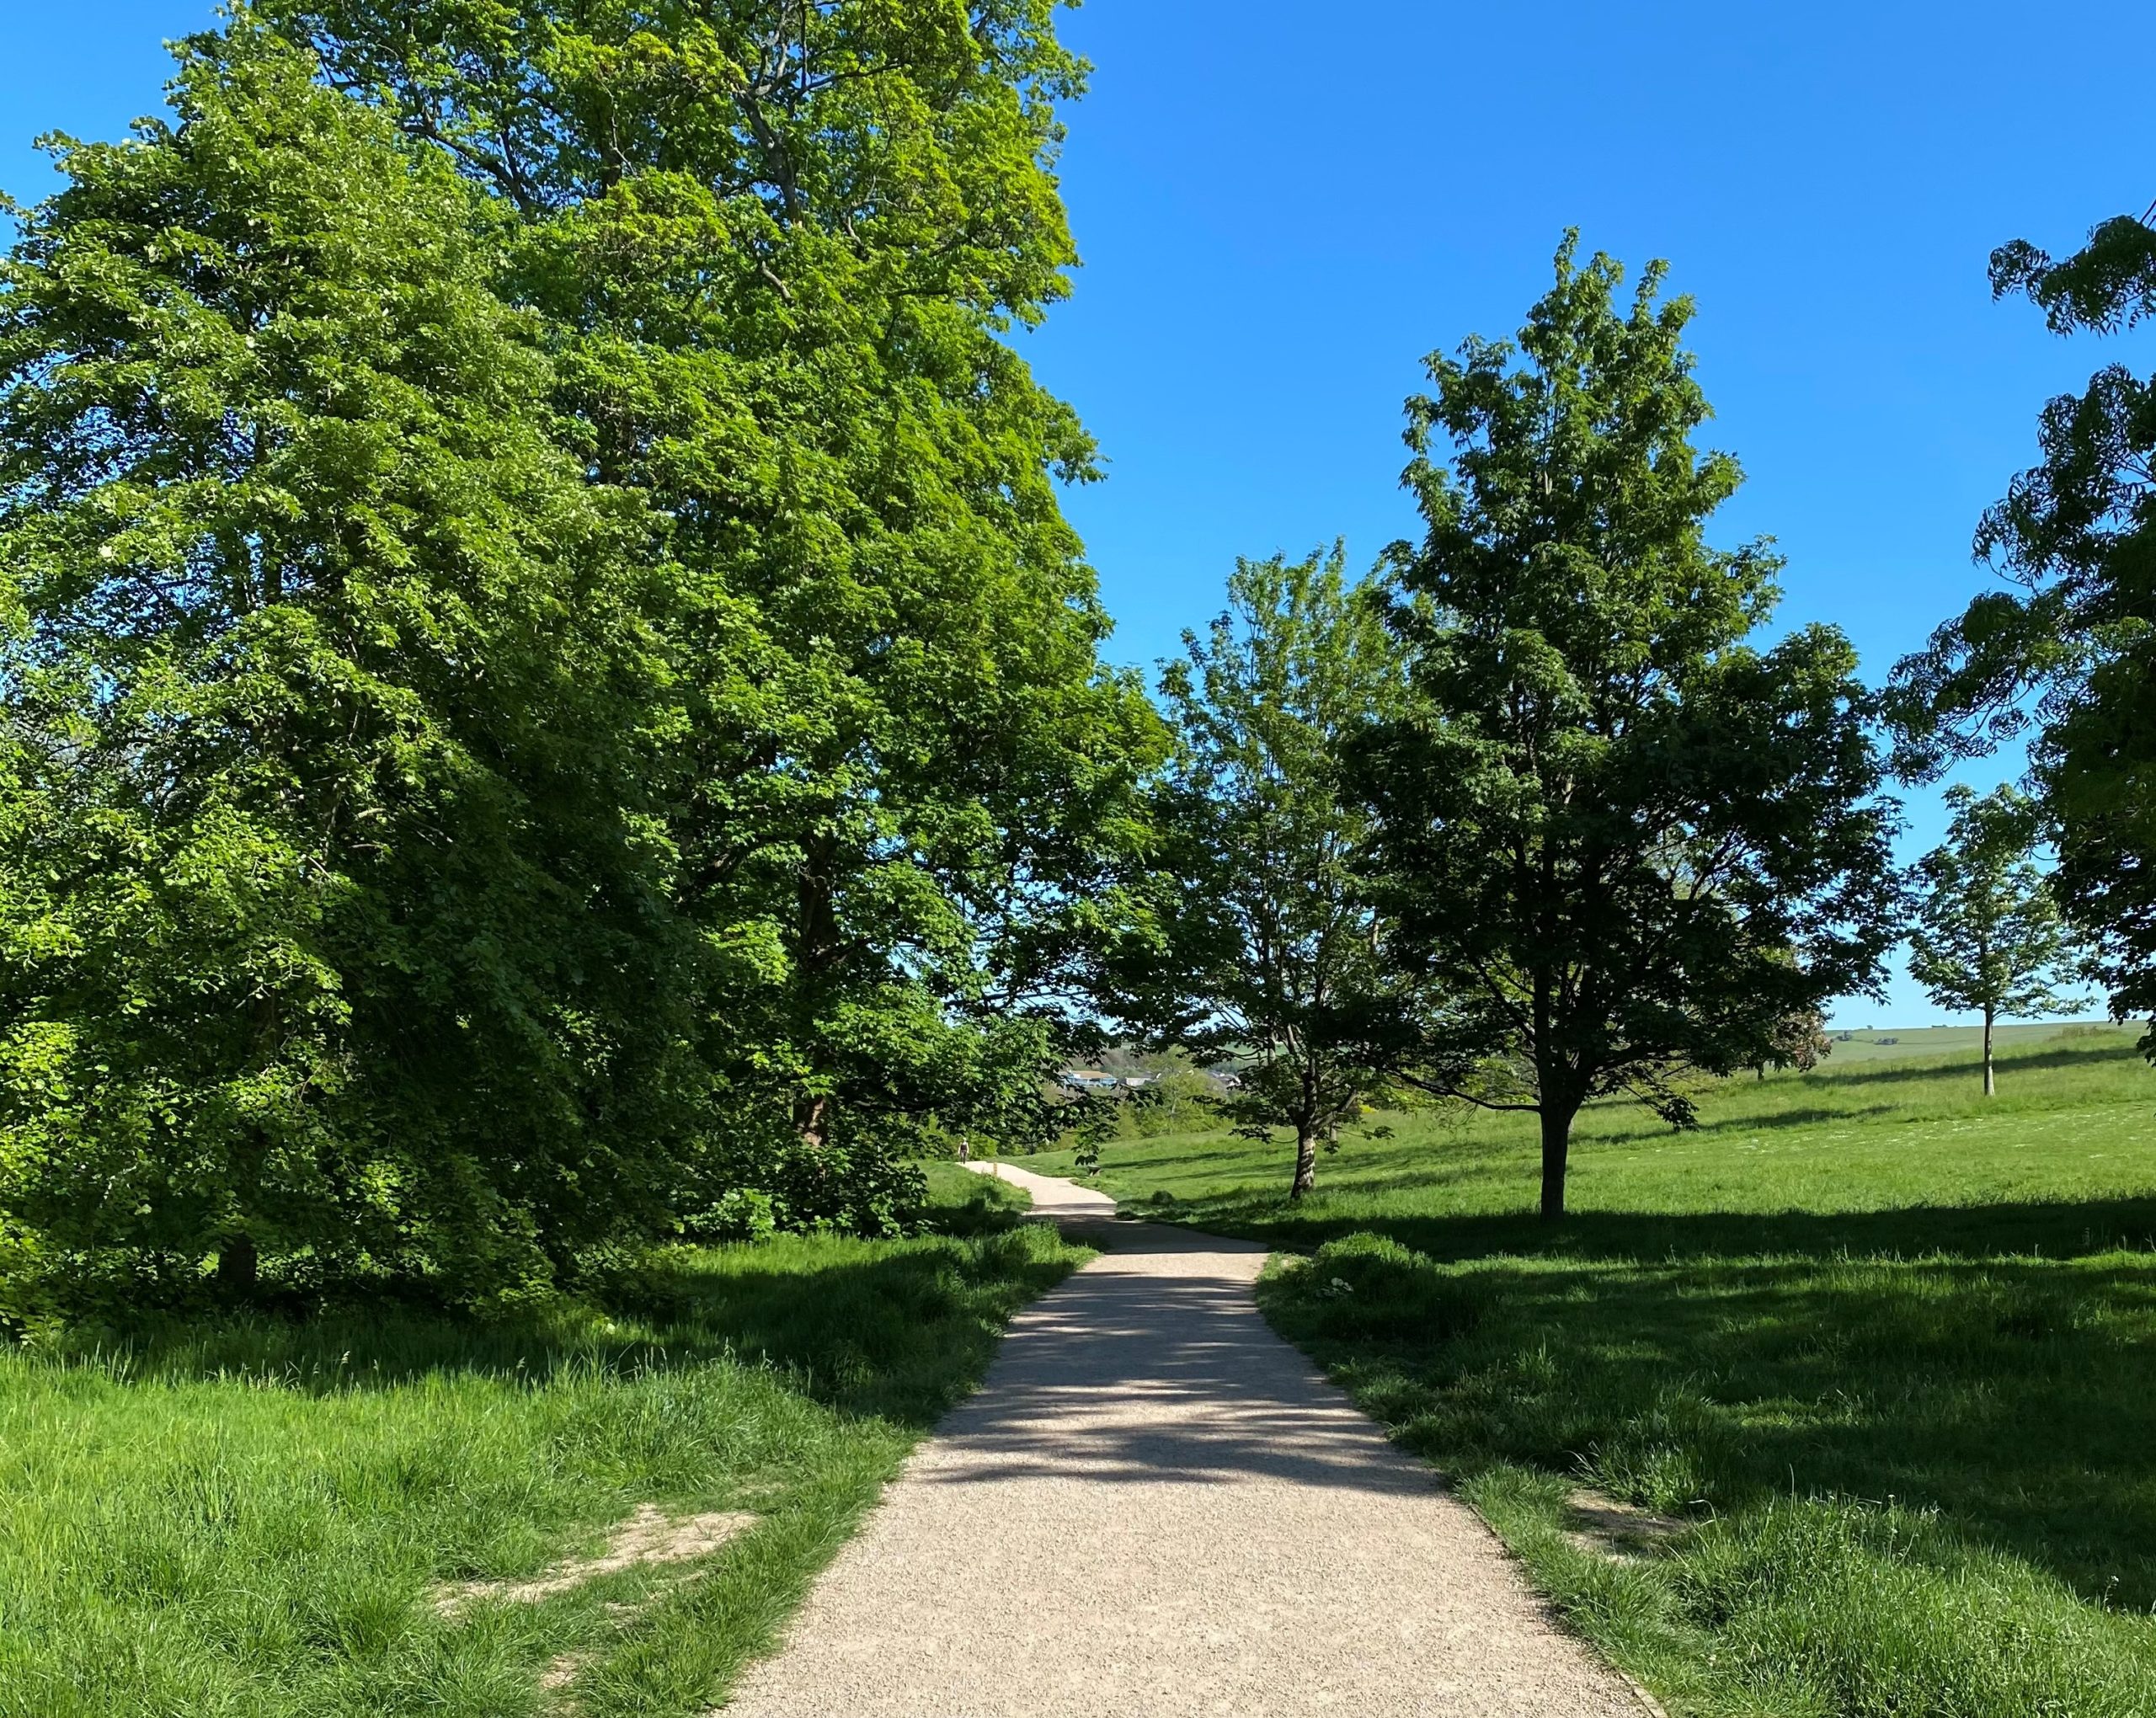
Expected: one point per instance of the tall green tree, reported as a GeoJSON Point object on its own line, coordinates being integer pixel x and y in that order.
{"type": "Point", "coordinates": [1988, 935]}
{"type": "Point", "coordinates": [2064, 656]}
{"type": "Point", "coordinates": [786, 245]}
{"type": "Point", "coordinates": [1621, 841]}
{"type": "Point", "coordinates": [332, 926]}
{"type": "Point", "coordinates": [1268, 950]}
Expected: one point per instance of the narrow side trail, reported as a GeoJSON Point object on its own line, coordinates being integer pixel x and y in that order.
{"type": "Point", "coordinates": [1154, 1506]}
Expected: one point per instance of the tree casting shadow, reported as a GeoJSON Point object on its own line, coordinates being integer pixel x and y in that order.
{"type": "Point", "coordinates": [1968, 1359]}
{"type": "Point", "coordinates": [897, 1335]}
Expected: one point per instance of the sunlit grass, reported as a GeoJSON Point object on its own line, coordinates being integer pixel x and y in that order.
{"type": "Point", "coordinates": [2075, 1119]}
{"type": "Point", "coordinates": [252, 1517]}
{"type": "Point", "coordinates": [1885, 1350]}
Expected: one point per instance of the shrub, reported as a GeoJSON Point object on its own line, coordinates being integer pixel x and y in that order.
{"type": "Point", "coordinates": [1178, 1102]}
{"type": "Point", "coordinates": [1367, 1287]}
{"type": "Point", "coordinates": [741, 1213]}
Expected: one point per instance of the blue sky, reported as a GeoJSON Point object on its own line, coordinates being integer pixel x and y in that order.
{"type": "Point", "coordinates": [1281, 214]}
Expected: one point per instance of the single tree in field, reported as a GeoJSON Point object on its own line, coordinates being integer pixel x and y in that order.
{"type": "Point", "coordinates": [1269, 949]}
{"type": "Point", "coordinates": [1989, 934]}
{"type": "Point", "coordinates": [2065, 653]}
{"type": "Point", "coordinates": [1623, 841]}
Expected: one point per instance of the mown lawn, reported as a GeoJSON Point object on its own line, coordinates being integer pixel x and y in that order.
{"type": "Point", "coordinates": [1844, 1405]}
{"type": "Point", "coordinates": [254, 1518]}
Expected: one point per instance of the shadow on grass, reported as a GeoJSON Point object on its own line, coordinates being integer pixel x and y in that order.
{"type": "Point", "coordinates": [894, 1330]}
{"type": "Point", "coordinates": [1943, 1063]}
{"type": "Point", "coordinates": [1996, 1363]}
{"type": "Point", "coordinates": [1811, 1117]}
{"type": "Point", "coordinates": [2061, 1229]}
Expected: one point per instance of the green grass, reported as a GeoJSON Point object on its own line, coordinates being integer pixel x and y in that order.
{"type": "Point", "coordinates": [1900, 1043]}
{"type": "Point", "coordinates": [252, 1519]}
{"type": "Point", "coordinates": [1885, 1350]}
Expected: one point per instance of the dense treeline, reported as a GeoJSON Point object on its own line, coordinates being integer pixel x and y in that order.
{"type": "Point", "coordinates": [545, 679]}
{"type": "Point", "coordinates": [549, 701]}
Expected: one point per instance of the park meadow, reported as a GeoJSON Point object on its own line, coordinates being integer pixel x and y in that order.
{"type": "Point", "coordinates": [1838, 1403]}
{"type": "Point", "coordinates": [642, 1069]}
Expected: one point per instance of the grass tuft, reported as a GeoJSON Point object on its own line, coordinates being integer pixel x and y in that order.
{"type": "Point", "coordinates": [1368, 1288]}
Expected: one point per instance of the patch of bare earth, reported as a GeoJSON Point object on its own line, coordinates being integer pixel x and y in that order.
{"type": "Point", "coordinates": [560, 1673]}
{"type": "Point", "coordinates": [648, 1537]}
{"type": "Point", "coordinates": [1609, 1527]}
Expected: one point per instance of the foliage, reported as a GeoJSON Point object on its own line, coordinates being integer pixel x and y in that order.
{"type": "Point", "coordinates": [330, 914]}
{"type": "Point", "coordinates": [1175, 1101]}
{"type": "Point", "coordinates": [240, 1515]}
{"type": "Point", "coordinates": [1089, 1121]}
{"type": "Point", "coordinates": [1988, 936]}
{"type": "Point", "coordinates": [782, 243]}
{"type": "Point", "coordinates": [545, 675]}
{"type": "Point", "coordinates": [739, 1214]}
{"type": "Point", "coordinates": [2067, 658]}
{"type": "Point", "coordinates": [1799, 1041]}
{"type": "Point", "coordinates": [1621, 843]}
{"type": "Point", "coordinates": [1267, 949]}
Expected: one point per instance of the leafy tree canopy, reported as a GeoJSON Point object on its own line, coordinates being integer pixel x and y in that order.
{"type": "Point", "coordinates": [2065, 657]}
{"type": "Point", "coordinates": [330, 914]}
{"type": "Point", "coordinates": [1620, 839]}
{"type": "Point", "coordinates": [1268, 951]}
{"type": "Point", "coordinates": [1990, 936]}
{"type": "Point", "coordinates": [546, 681]}
{"type": "Point", "coordinates": [783, 241]}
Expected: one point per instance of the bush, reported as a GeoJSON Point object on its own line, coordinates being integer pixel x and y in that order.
{"type": "Point", "coordinates": [1367, 1287]}
{"type": "Point", "coordinates": [758, 1186]}
{"type": "Point", "coordinates": [741, 1213]}
{"type": "Point", "coordinates": [1178, 1102]}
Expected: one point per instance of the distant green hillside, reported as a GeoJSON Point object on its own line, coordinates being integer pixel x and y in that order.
{"type": "Point", "coordinates": [1926, 1040]}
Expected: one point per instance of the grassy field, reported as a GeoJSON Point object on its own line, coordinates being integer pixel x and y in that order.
{"type": "Point", "coordinates": [1844, 1404]}
{"type": "Point", "coordinates": [1902, 1044]}
{"type": "Point", "coordinates": [261, 1519]}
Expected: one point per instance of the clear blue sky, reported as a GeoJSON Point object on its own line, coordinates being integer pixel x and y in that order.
{"type": "Point", "coordinates": [1281, 214]}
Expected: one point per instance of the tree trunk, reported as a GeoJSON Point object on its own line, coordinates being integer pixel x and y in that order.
{"type": "Point", "coordinates": [239, 1266]}
{"type": "Point", "coordinates": [815, 956]}
{"type": "Point", "coordinates": [1991, 1086]}
{"type": "Point", "coordinates": [1556, 1142]}
{"type": "Point", "coordinates": [1305, 1160]}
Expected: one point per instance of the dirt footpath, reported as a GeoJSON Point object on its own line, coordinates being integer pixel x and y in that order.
{"type": "Point", "coordinates": [1154, 1506]}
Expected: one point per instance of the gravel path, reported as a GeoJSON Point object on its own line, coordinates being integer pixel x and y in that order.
{"type": "Point", "coordinates": [1154, 1506]}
